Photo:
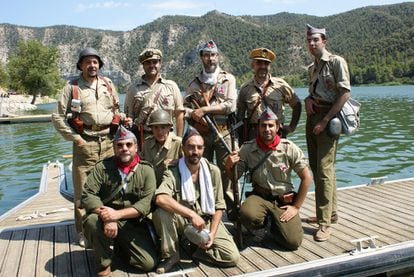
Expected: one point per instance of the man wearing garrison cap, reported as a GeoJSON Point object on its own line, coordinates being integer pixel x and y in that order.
{"type": "Point", "coordinates": [117, 196]}
{"type": "Point", "coordinates": [329, 89]}
{"type": "Point", "coordinates": [152, 92]}
{"type": "Point", "coordinates": [265, 91]}
{"type": "Point", "coordinates": [191, 193]}
{"type": "Point", "coordinates": [270, 161]}
{"type": "Point", "coordinates": [213, 93]}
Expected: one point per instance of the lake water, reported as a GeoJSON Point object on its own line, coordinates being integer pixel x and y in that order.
{"type": "Point", "coordinates": [382, 147]}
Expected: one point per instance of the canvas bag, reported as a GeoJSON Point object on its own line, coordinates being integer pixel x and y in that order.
{"type": "Point", "coordinates": [349, 117]}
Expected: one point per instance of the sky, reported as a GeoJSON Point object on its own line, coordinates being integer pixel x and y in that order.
{"type": "Point", "coordinates": [125, 15]}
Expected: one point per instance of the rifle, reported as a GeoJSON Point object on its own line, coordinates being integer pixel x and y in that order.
{"type": "Point", "coordinates": [235, 183]}
{"type": "Point", "coordinates": [213, 127]}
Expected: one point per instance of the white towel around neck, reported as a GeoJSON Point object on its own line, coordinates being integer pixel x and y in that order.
{"type": "Point", "coordinates": [206, 186]}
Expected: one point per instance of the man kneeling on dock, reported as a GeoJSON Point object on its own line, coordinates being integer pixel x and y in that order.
{"type": "Point", "coordinates": [117, 197]}
{"type": "Point", "coordinates": [270, 161]}
{"type": "Point", "coordinates": [190, 201]}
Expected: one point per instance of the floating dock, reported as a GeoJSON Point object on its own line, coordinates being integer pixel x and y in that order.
{"type": "Point", "coordinates": [374, 234]}
{"type": "Point", "coordinates": [26, 118]}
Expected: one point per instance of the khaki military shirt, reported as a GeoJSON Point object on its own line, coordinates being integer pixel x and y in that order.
{"type": "Point", "coordinates": [171, 185]}
{"type": "Point", "coordinates": [105, 178]}
{"type": "Point", "coordinates": [224, 93]}
{"type": "Point", "coordinates": [140, 97]}
{"type": "Point", "coordinates": [97, 108]}
{"type": "Point", "coordinates": [156, 155]}
{"type": "Point", "coordinates": [332, 75]}
{"type": "Point", "coordinates": [276, 96]}
{"type": "Point", "coordinates": [275, 173]}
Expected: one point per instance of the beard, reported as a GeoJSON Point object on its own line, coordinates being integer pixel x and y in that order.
{"type": "Point", "coordinates": [193, 159]}
{"type": "Point", "coordinates": [125, 159]}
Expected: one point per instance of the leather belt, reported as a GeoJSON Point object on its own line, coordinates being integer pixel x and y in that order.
{"type": "Point", "coordinates": [95, 127]}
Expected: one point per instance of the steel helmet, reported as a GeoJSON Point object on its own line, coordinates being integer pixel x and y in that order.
{"type": "Point", "coordinates": [335, 126]}
{"type": "Point", "coordinates": [89, 51]}
{"type": "Point", "coordinates": [160, 117]}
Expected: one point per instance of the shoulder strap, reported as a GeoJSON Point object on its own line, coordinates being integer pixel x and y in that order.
{"type": "Point", "coordinates": [75, 89]}
{"type": "Point", "coordinates": [260, 162]}
{"type": "Point", "coordinates": [116, 105]}
{"type": "Point", "coordinates": [119, 187]}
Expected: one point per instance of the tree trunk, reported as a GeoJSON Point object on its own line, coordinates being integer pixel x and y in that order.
{"type": "Point", "coordinates": [34, 99]}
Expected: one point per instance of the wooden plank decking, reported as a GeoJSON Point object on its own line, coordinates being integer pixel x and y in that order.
{"type": "Point", "coordinates": [46, 246]}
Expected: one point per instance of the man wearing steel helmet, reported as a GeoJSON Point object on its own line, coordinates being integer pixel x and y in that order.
{"type": "Point", "coordinates": [266, 91]}
{"type": "Point", "coordinates": [117, 197]}
{"type": "Point", "coordinates": [329, 89]}
{"type": "Point", "coordinates": [152, 92]}
{"type": "Point", "coordinates": [213, 93]}
{"type": "Point", "coordinates": [163, 148]}
{"type": "Point", "coordinates": [85, 109]}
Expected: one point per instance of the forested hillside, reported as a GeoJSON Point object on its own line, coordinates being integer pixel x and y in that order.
{"type": "Point", "coordinates": [377, 42]}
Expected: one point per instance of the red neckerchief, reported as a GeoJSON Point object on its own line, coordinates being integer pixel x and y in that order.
{"type": "Point", "coordinates": [267, 147]}
{"type": "Point", "coordinates": [127, 168]}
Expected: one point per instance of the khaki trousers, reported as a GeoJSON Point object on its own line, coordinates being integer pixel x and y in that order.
{"type": "Point", "coordinates": [322, 155]}
{"type": "Point", "coordinates": [170, 227]}
{"type": "Point", "coordinates": [133, 241]}
{"type": "Point", "coordinates": [254, 212]}
{"type": "Point", "coordinates": [84, 159]}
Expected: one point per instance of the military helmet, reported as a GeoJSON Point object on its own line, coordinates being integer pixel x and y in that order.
{"type": "Point", "coordinates": [160, 117]}
{"type": "Point", "coordinates": [89, 51]}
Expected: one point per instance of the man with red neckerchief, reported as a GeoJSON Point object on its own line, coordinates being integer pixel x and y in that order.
{"type": "Point", "coordinates": [117, 197]}
{"type": "Point", "coordinates": [272, 160]}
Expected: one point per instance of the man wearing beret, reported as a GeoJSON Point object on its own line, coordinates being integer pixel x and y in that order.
{"type": "Point", "coordinates": [213, 93]}
{"type": "Point", "coordinates": [152, 92]}
{"type": "Point", "coordinates": [271, 160]}
{"type": "Point", "coordinates": [265, 91]}
{"type": "Point", "coordinates": [329, 89]}
{"type": "Point", "coordinates": [117, 197]}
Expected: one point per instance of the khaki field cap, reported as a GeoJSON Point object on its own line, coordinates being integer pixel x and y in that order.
{"type": "Point", "coordinates": [209, 46]}
{"type": "Point", "coordinates": [150, 54]}
{"type": "Point", "coordinates": [262, 54]}
{"type": "Point", "coordinates": [312, 30]}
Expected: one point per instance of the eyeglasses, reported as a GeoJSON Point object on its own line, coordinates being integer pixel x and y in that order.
{"type": "Point", "coordinates": [121, 145]}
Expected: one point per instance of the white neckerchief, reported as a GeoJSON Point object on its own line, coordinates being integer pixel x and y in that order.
{"type": "Point", "coordinates": [210, 78]}
{"type": "Point", "coordinates": [206, 186]}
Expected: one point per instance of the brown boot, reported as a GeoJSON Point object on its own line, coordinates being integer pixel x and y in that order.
{"type": "Point", "coordinates": [105, 272]}
{"type": "Point", "coordinates": [323, 233]}
{"type": "Point", "coordinates": [314, 219]}
{"type": "Point", "coordinates": [168, 263]}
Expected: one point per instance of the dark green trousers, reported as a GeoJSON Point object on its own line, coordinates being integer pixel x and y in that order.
{"type": "Point", "coordinates": [322, 155]}
{"type": "Point", "coordinates": [253, 213]}
{"type": "Point", "coordinates": [133, 241]}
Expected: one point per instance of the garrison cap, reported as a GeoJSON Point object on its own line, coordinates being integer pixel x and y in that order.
{"type": "Point", "coordinates": [262, 54]}
{"type": "Point", "coordinates": [191, 131]}
{"type": "Point", "coordinates": [123, 133]}
{"type": "Point", "coordinates": [209, 46]}
{"type": "Point", "coordinates": [268, 114]}
{"type": "Point", "coordinates": [312, 30]}
{"type": "Point", "coordinates": [150, 54]}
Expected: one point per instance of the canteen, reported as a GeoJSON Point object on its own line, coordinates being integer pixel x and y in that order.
{"type": "Point", "coordinates": [195, 236]}
{"type": "Point", "coordinates": [335, 126]}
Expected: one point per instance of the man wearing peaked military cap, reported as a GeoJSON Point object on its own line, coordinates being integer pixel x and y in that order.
{"type": "Point", "coordinates": [213, 93]}
{"type": "Point", "coordinates": [150, 54]}
{"type": "Point", "coordinates": [117, 196]}
{"type": "Point", "coordinates": [262, 54]}
{"type": "Point", "coordinates": [150, 93]}
{"type": "Point", "coordinates": [265, 91]}
{"type": "Point", "coordinates": [271, 161]}
{"type": "Point", "coordinates": [329, 89]}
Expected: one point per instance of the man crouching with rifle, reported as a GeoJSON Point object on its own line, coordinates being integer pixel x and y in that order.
{"type": "Point", "coordinates": [270, 161]}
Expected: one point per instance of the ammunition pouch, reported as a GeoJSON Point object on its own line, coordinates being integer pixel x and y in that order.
{"type": "Point", "coordinates": [77, 124]}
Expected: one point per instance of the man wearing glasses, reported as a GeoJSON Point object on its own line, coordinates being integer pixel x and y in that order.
{"type": "Point", "coordinates": [117, 197]}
